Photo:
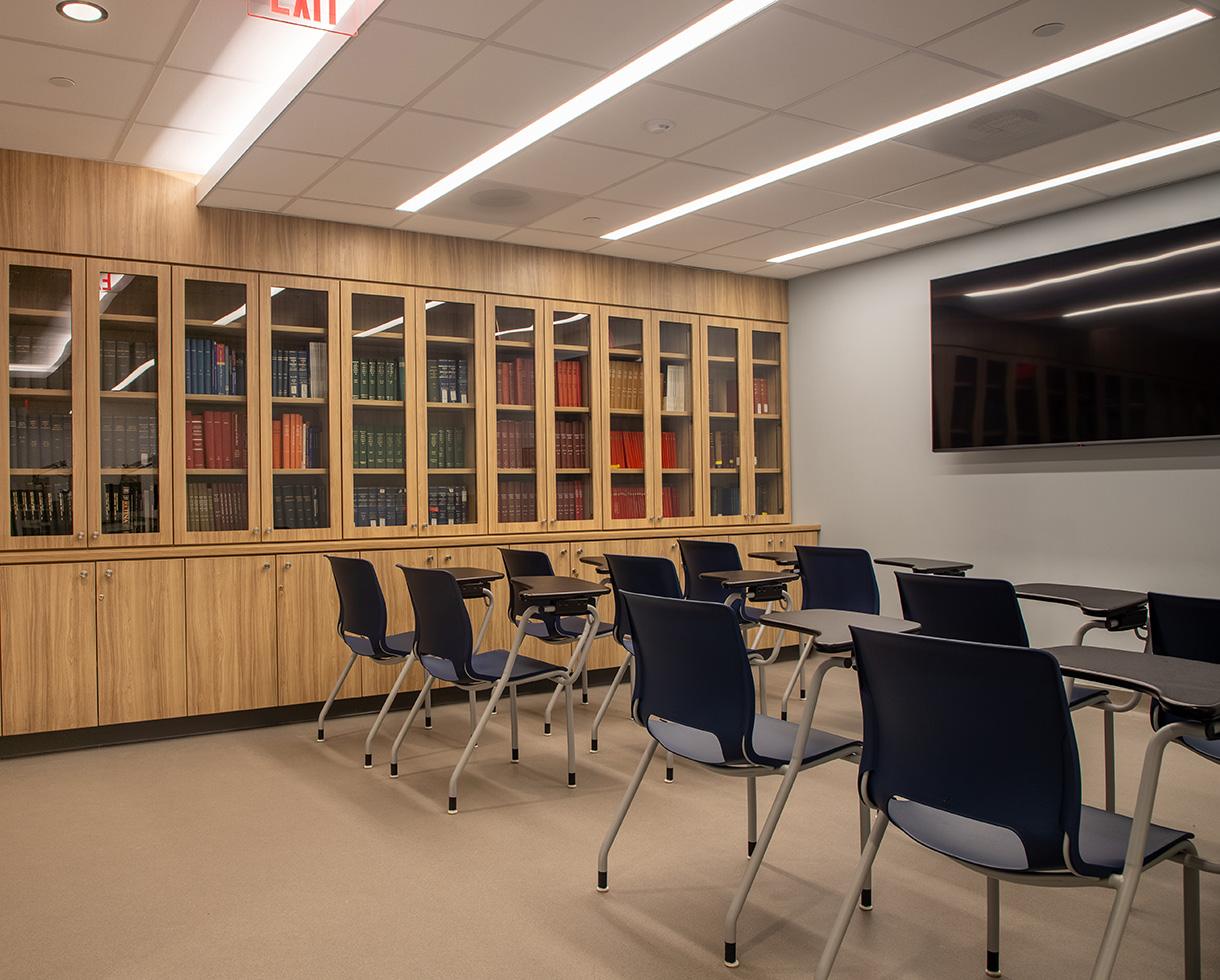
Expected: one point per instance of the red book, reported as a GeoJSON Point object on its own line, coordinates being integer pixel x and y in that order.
{"type": "Point", "coordinates": [211, 433]}
{"type": "Point", "coordinates": [277, 444]}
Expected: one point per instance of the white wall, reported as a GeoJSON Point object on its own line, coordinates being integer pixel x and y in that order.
{"type": "Point", "coordinates": [1143, 517]}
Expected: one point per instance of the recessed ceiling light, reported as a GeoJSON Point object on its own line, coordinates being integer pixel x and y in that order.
{"type": "Point", "coordinates": [1016, 192]}
{"type": "Point", "coordinates": [81, 10]}
{"type": "Point", "coordinates": [593, 217]}
{"type": "Point", "coordinates": [62, 81]}
{"type": "Point", "coordinates": [1091, 56]}
{"type": "Point", "coordinates": [1048, 30]}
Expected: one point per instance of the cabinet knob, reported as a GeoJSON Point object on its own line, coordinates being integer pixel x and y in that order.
{"type": "Point", "coordinates": [287, 565]}
{"type": "Point", "coordinates": [96, 535]}
{"type": "Point", "coordinates": [580, 551]}
{"type": "Point", "coordinates": [266, 565]}
{"type": "Point", "coordinates": [563, 551]}
{"type": "Point", "coordinates": [429, 559]}
{"type": "Point", "coordinates": [84, 574]}
{"type": "Point", "coordinates": [256, 530]}
{"type": "Point", "coordinates": [100, 597]}
{"type": "Point", "coordinates": [80, 535]}
{"type": "Point", "coordinates": [449, 558]}
{"type": "Point", "coordinates": [266, 530]}
{"type": "Point", "coordinates": [414, 526]}
{"type": "Point", "coordinates": [110, 573]}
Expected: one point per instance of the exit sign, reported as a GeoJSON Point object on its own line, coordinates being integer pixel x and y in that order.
{"type": "Point", "coordinates": [336, 16]}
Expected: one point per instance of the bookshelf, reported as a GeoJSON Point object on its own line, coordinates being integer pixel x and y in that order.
{"type": "Point", "coordinates": [518, 455]}
{"type": "Point", "coordinates": [768, 459]}
{"type": "Point", "coordinates": [630, 407]}
{"type": "Point", "coordinates": [574, 332]}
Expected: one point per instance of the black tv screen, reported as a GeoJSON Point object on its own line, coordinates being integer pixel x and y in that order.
{"type": "Point", "coordinates": [1110, 343]}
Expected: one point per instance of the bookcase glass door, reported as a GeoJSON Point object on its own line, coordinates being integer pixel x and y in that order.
{"type": "Point", "coordinates": [770, 439]}
{"type": "Point", "coordinates": [452, 423]}
{"type": "Point", "coordinates": [571, 425]}
{"type": "Point", "coordinates": [629, 433]}
{"type": "Point", "coordinates": [217, 356]}
{"type": "Point", "coordinates": [131, 322]}
{"type": "Point", "coordinates": [301, 433]}
{"type": "Point", "coordinates": [675, 347]}
{"type": "Point", "coordinates": [518, 491]}
{"type": "Point", "coordinates": [380, 442]}
{"type": "Point", "coordinates": [724, 422]}
{"type": "Point", "coordinates": [44, 311]}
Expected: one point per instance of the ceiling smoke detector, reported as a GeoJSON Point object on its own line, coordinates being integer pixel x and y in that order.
{"type": "Point", "coordinates": [500, 197]}
{"type": "Point", "coordinates": [660, 125]}
{"type": "Point", "coordinates": [1048, 30]}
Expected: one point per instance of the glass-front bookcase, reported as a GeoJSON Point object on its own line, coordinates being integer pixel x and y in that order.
{"type": "Point", "coordinates": [677, 490]}
{"type": "Point", "coordinates": [722, 398]}
{"type": "Point", "coordinates": [630, 445]}
{"type": "Point", "coordinates": [518, 490]}
{"type": "Point", "coordinates": [768, 355]}
{"type": "Point", "coordinates": [576, 441]}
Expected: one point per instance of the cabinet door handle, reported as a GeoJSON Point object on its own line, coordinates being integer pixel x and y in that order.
{"type": "Point", "coordinates": [256, 530]}
{"type": "Point", "coordinates": [429, 559]}
{"type": "Point", "coordinates": [110, 573]}
{"type": "Point", "coordinates": [100, 597]}
{"type": "Point", "coordinates": [414, 526]}
{"type": "Point", "coordinates": [84, 574]}
{"type": "Point", "coordinates": [96, 535]}
{"type": "Point", "coordinates": [266, 565]}
{"type": "Point", "coordinates": [449, 558]}
{"type": "Point", "coordinates": [287, 565]}
{"type": "Point", "coordinates": [80, 535]}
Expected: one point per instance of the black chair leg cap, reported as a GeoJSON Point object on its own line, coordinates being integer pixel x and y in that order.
{"type": "Point", "coordinates": [669, 774]}
{"type": "Point", "coordinates": [571, 779]}
{"type": "Point", "coordinates": [602, 886]}
{"type": "Point", "coordinates": [593, 745]}
{"type": "Point", "coordinates": [393, 770]}
{"type": "Point", "coordinates": [730, 954]}
{"type": "Point", "coordinates": [750, 845]}
{"type": "Point", "coordinates": [783, 716]}
{"type": "Point", "coordinates": [428, 724]}
{"type": "Point", "coordinates": [584, 699]}
{"type": "Point", "coordinates": [993, 963]}
{"type": "Point", "coordinates": [368, 760]}
{"type": "Point", "coordinates": [453, 804]}
{"type": "Point", "coordinates": [516, 756]}
{"type": "Point", "coordinates": [866, 899]}
{"type": "Point", "coordinates": [546, 728]}
{"type": "Point", "coordinates": [321, 735]}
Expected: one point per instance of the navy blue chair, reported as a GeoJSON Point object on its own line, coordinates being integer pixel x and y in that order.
{"type": "Point", "coordinates": [831, 578]}
{"type": "Point", "coordinates": [444, 646]}
{"type": "Point", "coordinates": [547, 627]}
{"type": "Point", "coordinates": [1189, 628]}
{"type": "Point", "coordinates": [992, 782]}
{"type": "Point", "coordinates": [694, 693]}
{"type": "Point", "coordinates": [362, 626]}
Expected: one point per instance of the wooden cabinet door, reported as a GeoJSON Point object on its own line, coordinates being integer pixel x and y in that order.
{"type": "Point", "coordinates": [48, 648]}
{"type": "Point", "coordinates": [310, 653]}
{"type": "Point", "coordinates": [375, 678]}
{"type": "Point", "coordinates": [141, 640]}
{"type": "Point", "coordinates": [230, 634]}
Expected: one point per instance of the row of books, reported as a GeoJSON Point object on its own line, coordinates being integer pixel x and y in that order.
{"type": "Point", "coordinates": [515, 381]}
{"type": "Point", "coordinates": [299, 372]}
{"type": "Point", "coordinates": [626, 385]}
{"type": "Point", "coordinates": [570, 500]}
{"type": "Point", "coordinates": [380, 379]}
{"type": "Point", "coordinates": [515, 444]}
{"type": "Point", "coordinates": [378, 447]}
{"type": "Point", "coordinates": [626, 450]}
{"type": "Point", "coordinates": [571, 446]}
{"type": "Point", "coordinates": [27, 355]}
{"type": "Point", "coordinates": [448, 380]}
{"type": "Point", "coordinates": [130, 508]}
{"type": "Point", "coordinates": [296, 505]}
{"type": "Point", "coordinates": [216, 507]}
{"type": "Point", "coordinates": [39, 440]}
{"type": "Point", "coordinates": [569, 384]}
{"type": "Point", "coordinates": [675, 388]}
{"type": "Point", "coordinates": [630, 503]}
{"type": "Point", "coordinates": [516, 501]}
{"type": "Point", "coordinates": [120, 357]}
{"type": "Point", "coordinates": [128, 437]}
{"type": "Point", "coordinates": [446, 447]}
{"type": "Point", "coordinates": [725, 448]}
{"type": "Point", "coordinates": [38, 511]}
{"type": "Point", "coordinates": [448, 505]}
{"type": "Point", "coordinates": [380, 507]}
{"type": "Point", "coordinates": [295, 443]}
{"type": "Point", "coordinates": [214, 369]}
{"type": "Point", "coordinates": [762, 396]}
{"type": "Point", "coordinates": [216, 440]}
{"type": "Point", "coordinates": [726, 501]}
{"type": "Point", "coordinates": [722, 395]}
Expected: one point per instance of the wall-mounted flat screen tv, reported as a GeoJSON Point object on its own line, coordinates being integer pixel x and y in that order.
{"type": "Point", "coordinates": [1114, 342]}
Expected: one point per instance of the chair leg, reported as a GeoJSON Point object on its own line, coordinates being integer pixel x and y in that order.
{"type": "Point", "coordinates": [468, 751]}
{"type": "Point", "coordinates": [847, 909]}
{"type": "Point", "coordinates": [474, 711]}
{"type": "Point", "coordinates": [866, 890]}
{"type": "Point", "coordinates": [576, 664]}
{"type": "Point", "coordinates": [993, 928]}
{"type": "Point", "coordinates": [797, 674]}
{"type": "Point", "coordinates": [420, 700]}
{"type": "Point", "coordinates": [584, 684]}
{"type": "Point", "coordinates": [603, 856]}
{"type": "Point", "coordinates": [610, 692]}
{"type": "Point", "coordinates": [1108, 736]}
{"type": "Point", "coordinates": [385, 708]}
{"type": "Point", "coordinates": [1191, 928]}
{"type": "Point", "coordinates": [333, 694]}
{"type": "Point", "coordinates": [428, 711]}
{"type": "Point", "coordinates": [762, 689]}
{"type": "Point", "coordinates": [571, 733]}
{"type": "Point", "coordinates": [512, 711]}
{"type": "Point", "coordinates": [669, 767]}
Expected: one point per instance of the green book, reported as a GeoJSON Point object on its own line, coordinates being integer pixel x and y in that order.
{"type": "Point", "coordinates": [434, 380]}
{"type": "Point", "coordinates": [433, 447]}
{"type": "Point", "coordinates": [379, 448]}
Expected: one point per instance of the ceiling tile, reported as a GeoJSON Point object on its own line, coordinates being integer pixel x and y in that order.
{"type": "Point", "coordinates": [1005, 43]}
{"type": "Point", "coordinates": [852, 219]}
{"type": "Point", "coordinates": [277, 172]}
{"type": "Point", "coordinates": [493, 202]}
{"type": "Point", "coordinates": [432, 224]}
{"type": "Point", "coordinates": [592, 216]}
{"type": "Point", "coordinates": [244, 200]}
{"type": "Point", "coordinates": [58, 133]}
{"type": "Point", "coordinates": [508, 88]}
{"type": "Point", "coordinates": [696, 233]}
{"type": "Point", "coordinates": [374, 184]}
{"type": "Point", "coordinates": [1192, 163]}
{"type": "Point", "coordinates": [642, 253]}
{"type": "Point", "coordinates": [1036, 205]}
{"type": "Point", "coordinates": [769, 143]}
{"type": "Point", "coordinates": [606, 35]}
{"type": "Point", "coordinates": [352, 214]}
{"type": "Point", "coordinates": [769, 244]}
{"type": "Point", "coordinates": [958, 188]}
{"type": "Point", "coordinates": [133, 30]}
{"type": "Point", "coordinates": [721, 263]}
{"type": "Point", "coordinates": [909, 23]}
{"type": "Point", "coordinates": [474, 18]}
{"type": "Point", "coordinates": [1192, 117]}
{"type": "Point", "coordinates": [322, 124]}
{"type": "Point", "coordinates": [698, 119]}
{"type": "Point", "coordinates": [892, 91]}
{"type": "Point", "coordinates": [574, 168]}
{"type": "Point", "coordinates": [670, 184]}
{"type": "Point", "coordinates": [778, 204]}
{"type": "Point", "coordinates": [553, 239]}
{"type": "Point", "coordinates": [222, 40]}
{"type": "Point", "coordinates": [1120, 139]}
{"type": "Point", "coordinates": [390, 63]}
{"type": "Point", "coordinates": [196, 101]}
{"type": "Point", "coordinates": [168, 149]}
{"type": "Point", "coordinates": [419, 139]}
{"type": "Point", "coordinates": [772, 271]}
{"type": "Point", "coordinates": [1158, 74]}
{"type": "Point", "coordinates": [880, 169]}
{"type": "Point", "coordinates": [105, 86]}
{"type": "Point", "coordinates": [801, 56]}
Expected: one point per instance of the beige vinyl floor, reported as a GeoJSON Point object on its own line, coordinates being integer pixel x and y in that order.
{"type": "Point", "coordinates": [264, 854]}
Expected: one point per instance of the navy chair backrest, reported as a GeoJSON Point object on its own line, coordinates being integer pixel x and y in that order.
{"type": "Point", "coordinates": [837, 578]}
{"type": "Point", "coordinates": [706, 556]}
{"type": "Point", "coordinates": [978, 730]}
{"type": "Point", "coordinates": [981, 610]}
{"type": "Point", "coordinates": [442, 623]}
{"type": "Point", "coordinates": [692, 671]}
{"type": "Point", "coordinates": [362, 609]}
{"type": "Point", "coordinates": [1184, 626]}
{"type": "Point", "coordinates": [643, 574]}
{"type": "Point", "coordinates": [519, 563]}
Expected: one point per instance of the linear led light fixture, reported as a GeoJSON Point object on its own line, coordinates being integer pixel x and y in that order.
{"type": "Point", "coordinates": [698, 34]}
{"type": "Point", "coordinates": [1099, 270]}
{"type": "Point", "coordinates": [1145, 302]}
{"type": "Point", "coordinates": [1036, 77]}
{"type": "Point", "coordinates": [1042, 185]}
